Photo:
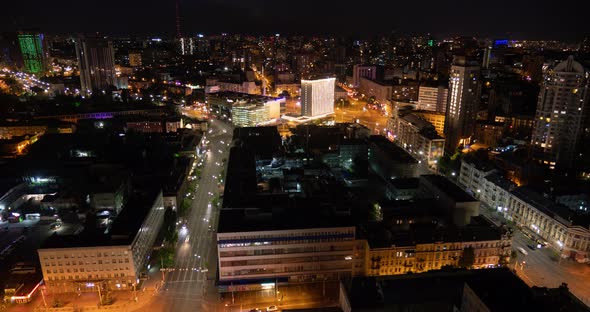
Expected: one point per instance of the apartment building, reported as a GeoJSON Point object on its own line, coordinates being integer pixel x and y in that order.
{"type": "Point", "coordinates": [419, 138]}
{"type": "Point", "coordinates": [425, 249]}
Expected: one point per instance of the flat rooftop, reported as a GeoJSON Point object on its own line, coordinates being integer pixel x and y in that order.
{"type": "Point", "coordinates": [395, 152]}
{"type": "Point", "coordinates": [122, 231]}
{"type": "Point", "coordinates": [449, 188]}
{"type": "Point", "coordinates": [279, 212]}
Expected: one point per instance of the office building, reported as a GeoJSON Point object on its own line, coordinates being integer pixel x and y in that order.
{"type": "Point", "coordinates": [317, 97]}
{"type": "Point", "coordinates": [31, 47]}
{"type": "Point", "coordinates": [562, 109]}
{"type": "Point", "coordinates": [464, 89]}
{"type": "Point", "coordinates": [96, 63]}
{"type": "Point", "coordinates": [256, 249]}
{"type": "Point", "coordinates": [433, 98]}
{"type": "Point", "coordinates": [85, 262]}
{"type": "Point", "coordinates": [244, 110]}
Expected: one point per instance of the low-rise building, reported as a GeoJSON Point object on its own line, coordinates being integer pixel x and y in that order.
{"type": "Point", "coordinates": [85, 262]}
{"type": "Point", "coordinates": [564, 229]}
{"type": "Point", "coordinates": [472, 173]}
{"type": "Point", "coordinates": [255, 249]}
{"type": "Point", "coordinates": [424, 249]}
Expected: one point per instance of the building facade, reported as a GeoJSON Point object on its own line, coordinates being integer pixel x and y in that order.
{"type": "Point", "coordinates": [437, 119]}
{"type": "Point", "coordinates": [363, 71]}
{"type": "Point", "coordinates": [31, 47]}
{"type": "Point", "coordinates": [96, 62]}
{"type": "Point", "coordinates": [297, 255]}
{"type": "Point", "coordinates": [534, 212]}
{"type": "Point", "coordinates": [317, 97]}
{"type": "Point", "coordinates": [433, 98]}
{"type": "Point", "coordinates": [464, 89]}
{"type": "Point", "coordinates": [419, 138]}
{"type": "Point", "coordinates": [73, 265]}
{"type": "Point", "coordinates": [427, 256]}
{"type": "Point", "coordinates": [561, 113]}
{"type": "Point", "coordinates": [371, 88]}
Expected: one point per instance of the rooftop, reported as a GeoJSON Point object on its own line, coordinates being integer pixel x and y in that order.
{"type": "Point", "coordinates": [498, 289]}
{"type": "Point", "coordinates": [550, 208]}
{"type": "Point", "coordinates": [449, 188]}
{"type": "Point", "coordinates": [500, 181]}
{"type": "Point", "coordinates": [122, 232]}
{"type": "Point", "coordinates": [395, 152]}
{"type": "Point", "coordinates": [279, 212]}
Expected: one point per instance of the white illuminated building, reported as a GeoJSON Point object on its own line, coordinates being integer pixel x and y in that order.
{"type": "Point", "coordinates": [561, 110]}
{"type": "Point", "coordinates": [463, 103]}
{"type": "Point", "coordinates": [317, 97]}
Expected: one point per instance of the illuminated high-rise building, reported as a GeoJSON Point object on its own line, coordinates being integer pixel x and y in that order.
{"type": "Point", "coordinates": [317, 97]}
{"type": "Point", "coordinates": [464, 88]}
{"type": "Point", "coordinates": [562, 108]}
{"type": "Point", "coordinates": [31, 47]}
{"type": "Point", "coordinates": [96, 62]}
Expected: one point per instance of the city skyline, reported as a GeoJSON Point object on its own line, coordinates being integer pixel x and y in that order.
{"type": "Point", "coordinates": [521, 20]}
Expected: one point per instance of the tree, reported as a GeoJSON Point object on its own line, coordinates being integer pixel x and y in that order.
{"type": "Point", "coordinates": [467, 258]}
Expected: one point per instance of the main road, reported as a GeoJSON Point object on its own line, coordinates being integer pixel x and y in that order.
{"type": "Point", "coordinates": [190, 285]}
{"type": "Point", "coordinates": [543, 267]}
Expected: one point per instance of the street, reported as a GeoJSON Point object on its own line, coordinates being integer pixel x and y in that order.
{"type": "Point", "coordinates": [190, 286]}
{"type": "Point", "coordinates": [543, 267]}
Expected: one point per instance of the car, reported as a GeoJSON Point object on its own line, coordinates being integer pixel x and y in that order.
{"type": "Point", "coordinates": [255, 310]}
{"type": "Point", "coordinates": [187, 239]}
{"type": "Point", "coordinates": [531, 247]}
{"type": "Point", "coordinates": [272, 308]}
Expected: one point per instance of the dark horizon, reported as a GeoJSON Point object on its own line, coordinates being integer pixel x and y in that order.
{"type": "Point", "coordinates": [502, 19]}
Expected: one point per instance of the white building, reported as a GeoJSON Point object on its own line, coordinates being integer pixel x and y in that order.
{"type": "Point", "coordinates": [551, 222]}
{"type": "Point", "coordinates": [317, 97]}
{"type": "Point", "coordinates": [433, 98]}
{"type": "Point", "coordinates": [363, 71]}
{"type": "Point", "coordinates": [84, 263]}
{"type": "Point", "coordinates": [562, 108]}
{"type": "Point", "coordinates": [245, 257]}
{"type": "Point", "coordinates": [463, 103]}
{"type": "Point", "coordinates": [546, 220]}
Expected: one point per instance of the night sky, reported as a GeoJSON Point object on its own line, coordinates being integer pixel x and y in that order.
{"type": "Point", "coordinates": [528, 19]}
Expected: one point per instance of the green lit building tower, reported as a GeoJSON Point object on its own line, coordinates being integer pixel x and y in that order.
{"type": "Point", "coordinates": [96, 61]}
{"type": "Point", "coordinates": [31, 47]}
